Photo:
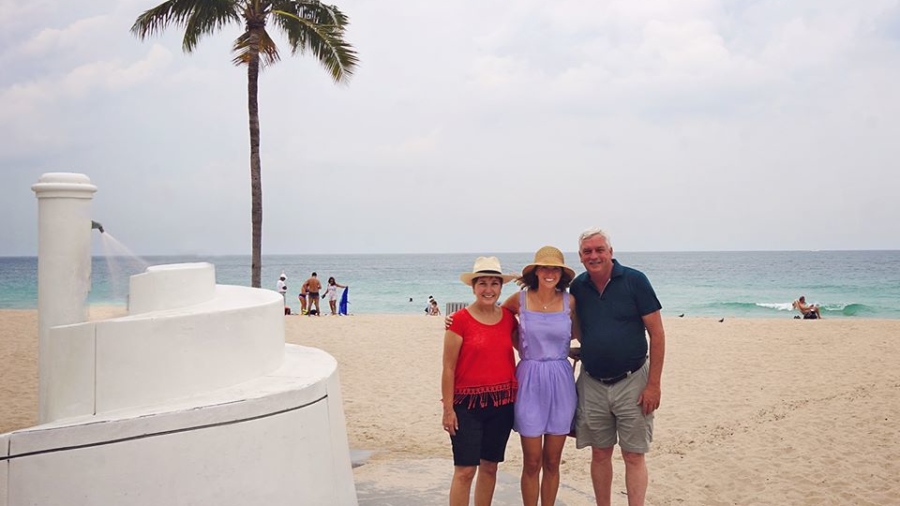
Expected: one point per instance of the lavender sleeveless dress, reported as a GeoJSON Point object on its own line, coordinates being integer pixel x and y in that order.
{"type": "Point", "coordinates": [546, 400]}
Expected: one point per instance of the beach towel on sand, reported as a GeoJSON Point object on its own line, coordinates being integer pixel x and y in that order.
{"type": "Point", "coordinates": [342, 307]}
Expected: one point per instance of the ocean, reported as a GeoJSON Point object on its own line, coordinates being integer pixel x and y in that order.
{"type": "Point", "coordinates": [757, 284]}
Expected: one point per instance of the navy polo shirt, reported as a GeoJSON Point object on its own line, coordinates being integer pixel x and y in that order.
{"type": "Point", "coordinates": [612, 329]}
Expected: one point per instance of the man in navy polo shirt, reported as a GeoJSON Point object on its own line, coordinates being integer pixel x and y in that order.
{"type": "Point", "coordinates": [618, 388]}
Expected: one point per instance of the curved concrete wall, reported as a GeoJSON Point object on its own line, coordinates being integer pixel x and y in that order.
{"type": "Point", "coordinates": [276, 440]}
{"type": "Point", "coordinates": [171, 286]}
{"type": "Point", "coordinates": [236, 334]}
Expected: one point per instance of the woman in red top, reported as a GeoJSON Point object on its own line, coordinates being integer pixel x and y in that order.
{"type": "Point", "coordinates": [478, 384]}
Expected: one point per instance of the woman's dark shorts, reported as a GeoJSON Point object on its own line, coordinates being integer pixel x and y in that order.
{"type": "Point", "coordinates": [482, 434]}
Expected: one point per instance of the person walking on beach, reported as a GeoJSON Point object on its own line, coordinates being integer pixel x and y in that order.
{"type": "Point", "coordinates": [618, 390]}
{"type": "Point", "coordinates": [478, 384]}
{"type": "Point", "coordinates": [313, 285]}
{"type": "Point", "coordinates": [331, 291]}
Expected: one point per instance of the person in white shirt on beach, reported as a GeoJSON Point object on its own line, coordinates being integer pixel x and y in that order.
{"type": "Point", "coordinates": [331, 292]}
{"type": "Point", "coordinates": [281, 286]}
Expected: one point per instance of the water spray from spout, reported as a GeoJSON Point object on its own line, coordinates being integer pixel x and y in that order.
{"type": "Point", "coordinates": [97, 225]}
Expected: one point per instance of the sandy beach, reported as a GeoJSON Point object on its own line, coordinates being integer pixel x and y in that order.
{"type": "Point", "coordinates": [753, 411]}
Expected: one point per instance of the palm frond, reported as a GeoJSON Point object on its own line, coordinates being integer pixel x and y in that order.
{"type": "Point", "coordinates": [268, 51]}
{"type": "Point", "coordinates": [314, 10]}
{"type": "Point", "coordinates": [198, 17]}
{"type": "Point", "coordinates": [316, 28]}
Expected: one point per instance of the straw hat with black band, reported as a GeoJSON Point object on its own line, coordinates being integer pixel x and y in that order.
{"type": "Point", "coordinates": [549, 256]}
{"type": "Point", "coordinates": [486, 267]}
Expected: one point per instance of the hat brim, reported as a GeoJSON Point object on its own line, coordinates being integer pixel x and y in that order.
{"type": "Point", "coordinates": [530, 267]}
{"type": "Point", "coordinates": [468, 277]}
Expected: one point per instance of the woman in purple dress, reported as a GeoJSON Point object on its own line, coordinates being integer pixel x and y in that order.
{"type": "Point", "coordinates": [546, 399]}
{"type": "Point", "coordinates": [545, 403]}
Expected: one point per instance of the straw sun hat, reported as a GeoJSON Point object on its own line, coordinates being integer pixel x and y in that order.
{"type": "Point", "coordinates": [548, 256]}
{"type": "Point", "coordinates": [486, 266]}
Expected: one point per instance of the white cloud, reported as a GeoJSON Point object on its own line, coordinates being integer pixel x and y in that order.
{"type": "Point", "coordinates": [418, 146]}
{"type": "Point", "coordinates": [691, 47]}
{"type": "Point", "coordinates": [13, 13]}
{"type": "Point", "coordinates": [28, 109]}
{"type": "Point", "coordinates": [503, 73]}
{"type": "Point", "coordinates": [51, 40]}
{"type": "Point", "coordinates": [102, 76]}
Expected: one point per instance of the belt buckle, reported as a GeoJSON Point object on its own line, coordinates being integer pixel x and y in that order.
{"type": "Point", "coordinates": [614, 380]}
{"type": "Point", "coordinates": [624, 375]}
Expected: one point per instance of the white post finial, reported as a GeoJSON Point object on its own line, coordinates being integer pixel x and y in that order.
{"type": "Point", "coordinates": [64, 260]}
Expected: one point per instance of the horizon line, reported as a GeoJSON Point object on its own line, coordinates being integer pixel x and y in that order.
{"type": "Point", "coordinates": [219, 255]}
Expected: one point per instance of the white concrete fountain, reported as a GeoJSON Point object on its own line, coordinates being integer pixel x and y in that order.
{"type": "Point", "coordinates": [193, 398]}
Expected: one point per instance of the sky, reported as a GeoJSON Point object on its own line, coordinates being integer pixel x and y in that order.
{"type": "Point", "coordinates": [473, 126]}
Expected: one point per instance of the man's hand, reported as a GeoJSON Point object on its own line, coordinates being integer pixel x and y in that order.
{"type": "Point", "coordinates": [649, 399]}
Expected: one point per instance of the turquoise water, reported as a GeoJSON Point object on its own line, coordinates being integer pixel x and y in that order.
{"type": "Point", "coordinates": [847, 284]}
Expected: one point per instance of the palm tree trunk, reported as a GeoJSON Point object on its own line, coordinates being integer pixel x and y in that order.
{"type": "Point", "coordinates": [256, 211]}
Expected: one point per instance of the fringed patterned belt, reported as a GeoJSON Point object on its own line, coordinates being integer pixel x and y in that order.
{"type": "Point", "coordinates": [484, 396]}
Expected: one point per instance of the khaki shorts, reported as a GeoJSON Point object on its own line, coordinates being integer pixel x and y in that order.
{"type": "Point", "coordinates": [607, 411]}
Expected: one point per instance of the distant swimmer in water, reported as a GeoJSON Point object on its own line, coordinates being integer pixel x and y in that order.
{"type": "Point", "coordinates": [809, 311]}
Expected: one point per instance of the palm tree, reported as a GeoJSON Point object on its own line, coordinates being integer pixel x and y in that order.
{"type": "Point", "coordinates": [310, 26]}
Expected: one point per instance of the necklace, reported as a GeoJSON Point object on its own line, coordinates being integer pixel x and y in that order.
{"type": "Point", "coordinates": [548, 303]}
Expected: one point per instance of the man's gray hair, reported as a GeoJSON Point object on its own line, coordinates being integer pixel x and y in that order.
{"type": "Point", "coordinates": [591, 232]}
